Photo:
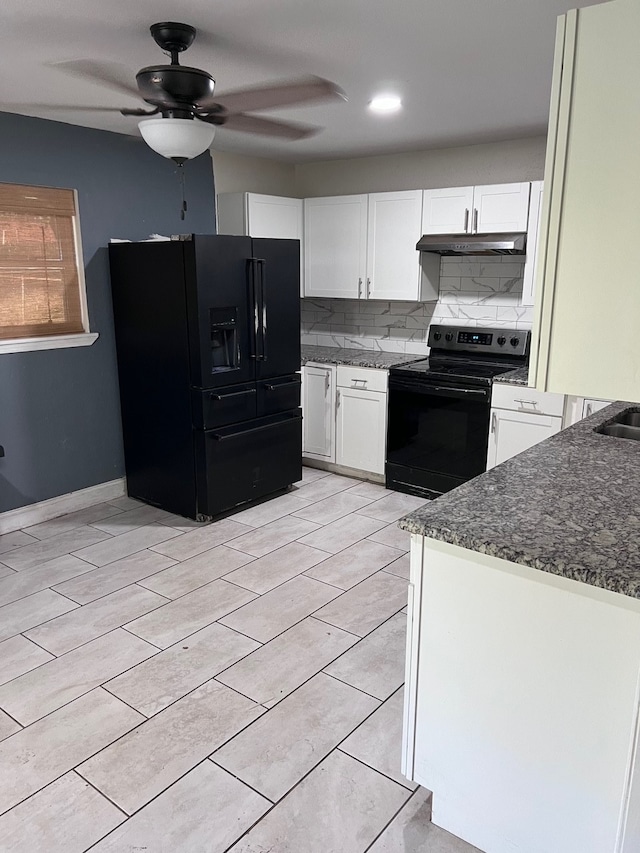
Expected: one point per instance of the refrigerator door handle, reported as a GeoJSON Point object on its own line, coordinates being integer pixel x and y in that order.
{"type": "Point", "coordinates": [253, 306]}
{"type": "Point", "coordinates": [263, 308]}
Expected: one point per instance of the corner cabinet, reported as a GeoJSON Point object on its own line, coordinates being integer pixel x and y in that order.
{"type": "Point", "coordinates": [591, 209]}
{"type": "Point", "coordinates": [364, 247]}
{"type": "Point", "coordinates": [344, 412]}
{"type": "Point", "coordinates": [520, 418]}
{"type": "Point", "coordinates": [493, 208]}
{"type": "Point", "coordinates": [255, 215]}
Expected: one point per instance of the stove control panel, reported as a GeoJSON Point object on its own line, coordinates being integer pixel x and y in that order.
{"type": "Point", "coordinates": [456, 339]}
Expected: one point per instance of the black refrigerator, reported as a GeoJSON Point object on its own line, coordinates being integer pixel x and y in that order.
{"type": "Point", "coordinates": [208, 345]}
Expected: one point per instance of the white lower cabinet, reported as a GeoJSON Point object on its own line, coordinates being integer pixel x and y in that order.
{"type": "Point", "coordinates": [520, 418]}
{"type": "Point", "coordinates": [318, 411]}
{"type": "Point", "coordinates": [345, 416]}
{"type": "Point", "coordinates": [513, 432]}
{"type": "Point", "coordinates": [361, 429]}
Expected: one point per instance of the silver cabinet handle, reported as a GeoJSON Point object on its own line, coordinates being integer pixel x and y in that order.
{"type": "Point", "coordinates": [360, 381]}
{"type": "Point", "coordinates": [589, 409]}
{"type": "Point", "coordinates": [359, 288]}
{"type": "Point", "coordinates": [368, 288]}
{"type": "Point", "coordinates": [493, 421]}
{"type": "Point", "coordinates": [327, 383]}
{"type": "Point", "coordinates": [475, 220]}
{"type": "Point", "coordinates": [466, 220]}
{"type": "Point", "coordinates": [338, 399]}
{"type": "Point", "coordinates": [527, 402]}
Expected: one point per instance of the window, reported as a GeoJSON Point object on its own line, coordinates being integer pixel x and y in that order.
{"type": "Point", "coordinates": [42, 296]}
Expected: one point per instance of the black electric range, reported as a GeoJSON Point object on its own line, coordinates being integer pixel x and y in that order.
{"type": "Point", "coordinates": [439, 408]}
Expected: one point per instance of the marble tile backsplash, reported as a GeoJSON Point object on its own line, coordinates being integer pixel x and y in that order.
{"type": "Point", "coordinates": [474, 291]}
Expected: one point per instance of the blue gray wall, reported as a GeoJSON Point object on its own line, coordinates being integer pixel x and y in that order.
{"type": "Point", "coordinates": [59, 409]}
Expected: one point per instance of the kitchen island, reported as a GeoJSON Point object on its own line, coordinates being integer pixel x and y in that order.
{"type": "Point", "coordinates": [522, 699]}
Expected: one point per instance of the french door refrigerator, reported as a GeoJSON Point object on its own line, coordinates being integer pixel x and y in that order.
{"type": "Point", "coordinates": [208, 345]}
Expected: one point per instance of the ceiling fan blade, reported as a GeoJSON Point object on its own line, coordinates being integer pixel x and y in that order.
{"type": "Point", "coordinates": [263, 126]}
{"type": "Point", "coordinates": [282, 94]}
{"type": "Point", "coordinates": [109, 74]}
{"type": "Point", "coordinates": [19, 108]}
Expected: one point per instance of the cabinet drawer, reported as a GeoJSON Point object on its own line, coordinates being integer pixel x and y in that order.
{"type": "Point", "coordinates": [519, 398]}
{"type": "Point", "coordinates": [224, 405]}
{"type": "Point", "coordinates": [362, 378]}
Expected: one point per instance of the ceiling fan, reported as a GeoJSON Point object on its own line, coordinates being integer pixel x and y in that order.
{"type": "Point", "coordinates": [184, 99]}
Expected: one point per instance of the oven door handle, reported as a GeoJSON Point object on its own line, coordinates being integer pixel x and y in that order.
{"type": "Point", "coordinates": [459, 390]}
{"type": "Point", "coordinates": [424, 389]}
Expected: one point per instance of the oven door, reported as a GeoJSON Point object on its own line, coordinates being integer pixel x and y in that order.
{"type": "Point", "coordinates": [437, 435]}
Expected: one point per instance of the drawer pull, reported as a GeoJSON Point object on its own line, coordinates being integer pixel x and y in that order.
{"type": "Point", "coordinates": [360, 381]}
{"type": "Point", "coordinates": [282, 385]}
{"type": "Point", "coordinates": [527, 402]}
{"type": "Point", "coordinates": [234, 394]}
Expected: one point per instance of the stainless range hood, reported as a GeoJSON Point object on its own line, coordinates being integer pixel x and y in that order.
{"type": "Point", "coordinates": [473, 244]}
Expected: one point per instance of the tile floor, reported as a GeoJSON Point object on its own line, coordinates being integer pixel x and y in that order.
{"type": "Point", "coordinates": [176, 687]}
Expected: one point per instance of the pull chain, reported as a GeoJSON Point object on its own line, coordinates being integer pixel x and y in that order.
{"type": "Point", "coordinates": [183, 206]}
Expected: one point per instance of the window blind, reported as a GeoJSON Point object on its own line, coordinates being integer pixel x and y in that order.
{"type": "Point", "coordinates": [39, 278]}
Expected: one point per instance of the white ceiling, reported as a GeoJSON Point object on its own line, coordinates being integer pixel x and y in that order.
{"type": "Point", "coordinates": [468, 70]}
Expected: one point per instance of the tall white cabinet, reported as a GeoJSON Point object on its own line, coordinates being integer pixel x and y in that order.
{"type": "Point", "coordinates": [591, 209]}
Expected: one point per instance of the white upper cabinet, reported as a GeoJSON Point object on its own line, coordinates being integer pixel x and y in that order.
{"type": "Point", "coordinates": [588, 281]}
{"type": "Point", "coordinates": [364, 247]}
{"type": "Point", "coordinates": [255, 215]}
{"type": "Point", "coordinates": [494, 208]}
{"type": "Point", "coordinates": [335, 246]}
{"type": "Point", "coordinates": [500, 208]}
{"type": "Point", "coordinates": [447, 211]}
{"type": "Point", "coordinates": [393, 262]}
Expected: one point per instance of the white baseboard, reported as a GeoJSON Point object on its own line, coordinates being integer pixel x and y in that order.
{"type": "Point", "coordinates": [24, 516]}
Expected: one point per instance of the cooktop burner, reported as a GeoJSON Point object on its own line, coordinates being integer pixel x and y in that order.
{"type": "Point", "coordinates": [459, 368]}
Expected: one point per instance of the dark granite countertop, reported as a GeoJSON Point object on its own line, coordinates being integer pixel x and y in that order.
{"type": "Point", "coordinates": [569, 506]}
{"type": "Point", "coordinates": [519, 376]}
{"type": "Point", "coordinates": [356, 357]}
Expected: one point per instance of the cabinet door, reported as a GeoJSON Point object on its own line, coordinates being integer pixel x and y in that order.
{"type": "Point", "coordinates": [318, 412]}
{"type": "Point", "coordinates": [592, 175]}
{"type": "Point", "coordinates": [447, 211]}
{"type": "Point", "coordinates": [274, 216]}
{"type": "Point", "coordinates": [533, 231]}
{"type": "Point", "coordinates": [335, 246]}
{"type": "Point", "coordinates": [361, 429]}
{"type": "Point", "coordinates": [590, 406]}
{"type": "Point", "coordinates": [513, 432]}
{"type": "Point", "coordinates": [393, 263]}
{"type": "Point", "coordinates": [500, 207]}
{"type": "Point", "coordinates": [277, 217]}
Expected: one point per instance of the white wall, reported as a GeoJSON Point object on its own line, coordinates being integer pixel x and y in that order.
{"type": "Point", "coordinates": [490, 163]}
{"type": "Point", "coordinates": [236, 173]}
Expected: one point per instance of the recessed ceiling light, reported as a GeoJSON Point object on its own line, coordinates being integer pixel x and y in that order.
{"type": "Point", "coordinates": [385, 103]}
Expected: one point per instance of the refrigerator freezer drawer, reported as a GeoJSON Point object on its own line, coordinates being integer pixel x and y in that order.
{"type": "Point", "coordinates": [221, 406]}
{"type": "Point", "coordinates": [278, 395]}
{"type": "Point", "coordinates": [247, 461]}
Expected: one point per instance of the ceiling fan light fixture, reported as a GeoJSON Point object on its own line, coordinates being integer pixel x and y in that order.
{"type": "Point", "coordinates": [177, 138]}
{"type": "Point", "coordinates": [385, 103]}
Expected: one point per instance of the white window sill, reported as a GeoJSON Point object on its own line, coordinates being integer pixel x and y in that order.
{"type": "Point", "coordinates": [54, 342]}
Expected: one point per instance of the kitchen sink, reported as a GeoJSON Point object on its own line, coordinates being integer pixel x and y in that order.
{"type": "Point", "coordinates": [624, 425]}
